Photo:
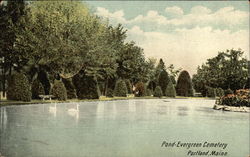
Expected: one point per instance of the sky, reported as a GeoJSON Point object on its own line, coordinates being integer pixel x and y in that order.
{"type": "Point", "coordinates": [182, 33]}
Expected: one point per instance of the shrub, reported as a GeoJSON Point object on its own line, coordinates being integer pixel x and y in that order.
{"type": "Point", "coordinates": [37, 89]}
{"type": "Point", "coordinates": [228, 91]}
{"type": "Point", "coordinates": [110, 92]}
{"type": "Point", "coordinates": [211, 92]}
{"type": "Point", "coordinates": [158, 92]}
{"type": "Point", "coordinates": [170, 91]}
{"type": "Point", "coordinates": [163, 81]}
{"type": "Point", "coordinates": [58, 90]}
{"type": "Point", "coordinates": [140, 89]}
{"type": "Point", "coordinates": [219, 92]}
{"type": "Point", "coordinates": [18, 88]}
{"type": "Point", "coordinates": [71, 91]}
{"type": "Point", "coordinates": [184, 85]}
{"type": "Point", "coordinates": [129, 86]}
{"type": "Point", "coordinates": [148, 92]}
{"type": "Point", "coordinates": [86, 86]}
{"type": "Point", "coordinates": [241, 98]}
{"type": "Point", "coordinates": [120, 89]}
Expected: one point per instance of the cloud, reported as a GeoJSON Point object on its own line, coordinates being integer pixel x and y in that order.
{"type": "Point", "coordinates": [226, 17]}
{"type": "Point", "coordinates": [174, 10]}
{"type": "Point", "coordinates": [194, 37]}
{"type": "Point", "coordinates": [115, 17]}
{"type": "Point", "coordinates": [188, 48]}
{"type": "Point", "coordinates": [200, 10]}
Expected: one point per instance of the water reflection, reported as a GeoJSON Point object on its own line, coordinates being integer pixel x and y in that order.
{"type": "Point", "coordinates": [53, 109]}
{"type": "Point", "coordinates": [74, 112]}
{"type": "Point", "coordinates": [3, 119]}
{"type": "Point", "coordinates": [183, 110]}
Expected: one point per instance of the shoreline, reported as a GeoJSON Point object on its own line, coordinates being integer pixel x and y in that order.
{"type": "Point", "coordinates": [243, 109]}
{"type": "Point", "coordinates": [37, 101]}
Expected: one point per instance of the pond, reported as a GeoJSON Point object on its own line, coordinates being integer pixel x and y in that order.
{"type": "Point", "coordinates": [123, 128]}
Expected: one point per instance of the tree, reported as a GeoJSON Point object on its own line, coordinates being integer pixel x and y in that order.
{"type": "Point", "coordinates": [158, 92]}
{"type": "Point", "coordinates": [226, 70]}
{"type": "Point", "coordinates": [163, 81]}
{"type": "Point", "coordinates": [170, 90]}
{"type": "Point", "coordinates": [56, 38]}
{"type": "Point", "coordinates": [11, 16]}
{"type": "Point", "coordinates": [120, 89]}
{"type": "Point", "coordinates": [184, 84]}
{"type": "Point", "coordinates": [131, 63]}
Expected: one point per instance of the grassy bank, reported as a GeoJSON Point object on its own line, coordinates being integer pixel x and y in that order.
{"type": "Point", "coordinates": [11, 102]}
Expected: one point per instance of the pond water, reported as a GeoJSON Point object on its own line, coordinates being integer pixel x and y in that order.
{"type": "Point", "coordinates": [125, 128]}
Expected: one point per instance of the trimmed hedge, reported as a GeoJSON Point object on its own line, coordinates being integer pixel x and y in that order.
{"type": "Point", "coordinates": [158, 92]}
{"type": "Point", "coordinates": [184, 85]}
{"type": "Point", "coordinates": [110, 93]}
{"type": "Point", "coordinates": [170, 91]}
{"type": "Point", "coordinates": [149, 92]}
{"type": "Point", "coordinates": [18, 88]}
{"type": "Point", "coordinates": [37, 89]}
{"type": "Point", "coordinates": [58, 90]}
{"type": "Point", "coordinates": [163, 81]}
{"type": "Point", "coordinates": [120, 89]}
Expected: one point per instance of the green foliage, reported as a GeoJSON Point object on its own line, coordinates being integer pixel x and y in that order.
{"type": "Point", "coordinates": [184, 85]}
{"type": "Point", "coordinates": [18, 88]}
{"type": "Point", "coordinates": [148, 92]}
{"type": "Point", "coordinates": [129, 86]}
{"type": "Point", "coordinates": [241, 98]}
{"type": "Point", "coordinates": [86, 86]}
{"type": "Point", "coordinates": [158, 92]}
{"type": "Point", "coordinates": [58, 90]}
{"type": "Point", "coordinates": [211, 92]}
{"type": "Point", "coordinates": [71, 91]}
{"type": "Point", "coordinates": [140, 89]}
{"type": "Point", "coordinates": [226, 70]}
{"type": "Point", "coordinates": [228, 91]}
{"type": "Point", "coordinates": [120, 89]}
{"type": "Point", "coordinates": [110, 93]}
{"type": "Point", "coordinates": [37, 89]}
{"type": "Point", "coordinates": [151, 85]}
{"type": "Point", "coordinates": [163, 81]}
{"type": "Point", "coordinates": [219, 92]}
{"type": "Point", "coordinates": [170, 91]}
{"type": "Point", "coordinates": [131, 63]}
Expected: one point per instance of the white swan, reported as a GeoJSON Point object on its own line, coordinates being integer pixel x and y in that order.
{"type": "Point", "coordinates": [52, 109]}
{"type": "Point", "coordinates": [74, 112]}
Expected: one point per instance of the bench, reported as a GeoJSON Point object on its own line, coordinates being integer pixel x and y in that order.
{"type": "Point", "coordinates": [44, 97]}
